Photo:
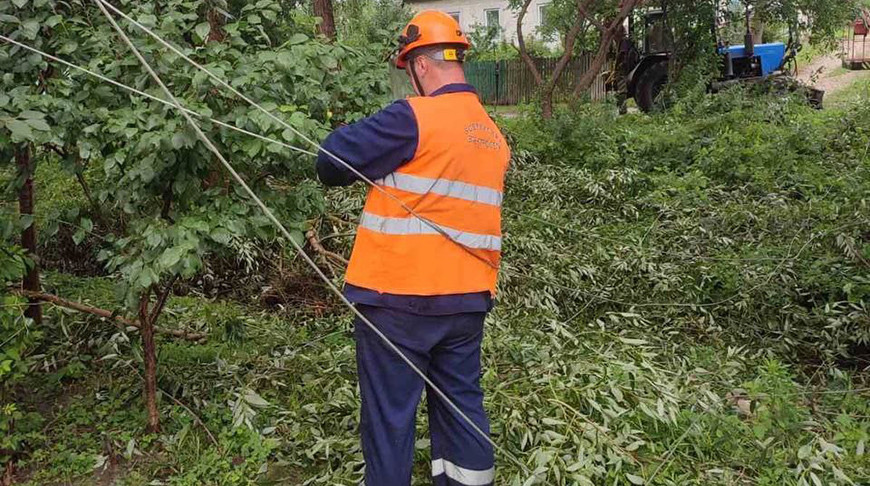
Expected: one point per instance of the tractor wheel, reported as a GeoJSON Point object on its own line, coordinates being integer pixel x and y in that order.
{"type": "Point", "coordinates": [650, 86]}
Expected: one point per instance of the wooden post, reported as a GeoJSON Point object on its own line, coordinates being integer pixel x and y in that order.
{"type": "Point", "coordinates": [26, 166]}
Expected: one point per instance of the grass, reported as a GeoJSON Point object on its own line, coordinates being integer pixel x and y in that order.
{"type": "Point", "coordinates": [838, 72]}
{"type": "Point", "coordinates": [854, 93]}
{"type": "Point", "coordinates": [590, 379]}
{"type": "Point", "coordinates": [811, 52]}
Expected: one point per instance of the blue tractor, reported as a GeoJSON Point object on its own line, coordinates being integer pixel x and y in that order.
{"type": "Point", "coordinates": [642, 63]}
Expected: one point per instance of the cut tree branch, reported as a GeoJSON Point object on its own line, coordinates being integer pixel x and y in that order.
{"type": "Point", "coordinates": [106, 314]}
{"type": "Point", "coordinates": [315, 243]}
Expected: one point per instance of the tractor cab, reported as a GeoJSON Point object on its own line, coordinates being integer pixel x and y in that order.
{"type": "Point", "coordinates": [655, 38]}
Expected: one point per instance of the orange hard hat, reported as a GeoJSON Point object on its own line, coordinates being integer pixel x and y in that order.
{"type": "Point", "coordinates": [430, 28]}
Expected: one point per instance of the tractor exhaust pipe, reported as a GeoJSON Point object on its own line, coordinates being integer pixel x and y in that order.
{"type": "Point", "coordinates": [729, 65]}
{"type": "Point", "coordinates": [748, 41]}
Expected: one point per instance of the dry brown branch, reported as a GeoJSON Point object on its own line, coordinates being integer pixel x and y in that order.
{"type": "Point", "coordinates": [315, 243]}
{"type": "Point", "coordinates": [338, 220]}
{"type": "Point", "coordinates": [96, 311]}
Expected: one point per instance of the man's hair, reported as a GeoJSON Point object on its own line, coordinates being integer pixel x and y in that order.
{"type": "Point", "coordinates": [434, 54]}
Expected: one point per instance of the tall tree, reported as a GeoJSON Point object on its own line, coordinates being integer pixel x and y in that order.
{"type": "Point", "coordinates": [326, 27]}
{"type": "Point", "coordinates": [153, 167]}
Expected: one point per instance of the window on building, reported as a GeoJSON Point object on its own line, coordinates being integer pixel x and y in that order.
{"type": "Point", "coordinates": [492, 18]}
{"type": "Point", "coordinates": [542, 13]}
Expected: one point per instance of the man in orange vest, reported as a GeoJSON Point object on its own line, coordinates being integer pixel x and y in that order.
{"type": "Point", "coordinates": [426, 280]}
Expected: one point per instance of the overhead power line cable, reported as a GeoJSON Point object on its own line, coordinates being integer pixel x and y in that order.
{"type": "Point", "coordinates": [437, 228]}
{"type": "Point", "coordinates": [210, 145]}
{"type": "Point", "coordinates": [150, 96]}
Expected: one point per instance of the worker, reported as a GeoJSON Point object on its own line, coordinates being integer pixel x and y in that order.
{"type": "Point", "coordinates": [427, 283]}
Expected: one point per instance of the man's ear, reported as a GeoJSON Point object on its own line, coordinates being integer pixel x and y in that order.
{"type": "Point", "coordinates": [422, 65]}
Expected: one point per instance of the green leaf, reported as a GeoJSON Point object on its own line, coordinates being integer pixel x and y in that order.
{"type": "Point", "coordinates": [20, 3]}
{"type": "Point", "coordinates": [633, 342]}
{"type": "Point", "coordinates": [298, 236]}
{"type": "Point", "coordinates": [221, 236]}
{"type": "Point", "coordinates": [634, 479]}
{"type": "Point", "coordinates": [202, 30]}
{"type": "Point", "coordinates": [171, 256]}
{"type": "Point", "coordinates": [298, 39]}
{"type": "Point", "coordinates": [53, 20]}
{"type": "Point", "coordinates": [38, 124]}
{"type": "Point", "coordinates": [30, 29]}
{"type": "Point", "coordinates": [329, 62]}
{"type": "Point", "coordinates": [179, 141]}
{"type": "Point", "coordinates": [805, 451]}
{"type": "Point", "coordinates": [254, 399]}
{"type": "Point", "coordinates": [79, 236]}
{"type": "Point", "coordinates": [69, 47]}
{"type": "Point", "coordinates": [21, 131]}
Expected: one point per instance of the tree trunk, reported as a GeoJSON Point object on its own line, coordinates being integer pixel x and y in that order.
{"type": "Point", "coordinates": [546, 105]}
{"type": "Point", "coordinates": [548, 87]}
{"type": "Point", "coordinates": [323, 9]}
{"type": "Point", "coordinates": [150, 358]}
{"type": "Point", "coordinates": [26, 166]}
{"type": "Point", "coordinates": [608, 31]}
{"type": "Point", "coordinates": [586, 80]}
{"type": "Point", "coordinates": [757, 29]}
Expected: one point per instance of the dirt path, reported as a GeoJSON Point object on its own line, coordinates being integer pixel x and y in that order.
{"type": "Point", "coordinates": [827, 73]}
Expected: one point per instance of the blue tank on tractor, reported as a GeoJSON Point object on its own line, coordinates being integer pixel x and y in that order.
{"type": "Point", "coordinates": [771, 56]}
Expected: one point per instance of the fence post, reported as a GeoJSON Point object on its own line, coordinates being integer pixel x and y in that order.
{"type": "Point", "coordinates": [497, 72]}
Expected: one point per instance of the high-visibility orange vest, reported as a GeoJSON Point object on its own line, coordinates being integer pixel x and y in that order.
{"type": "Point", "coordinates": [454, 181]}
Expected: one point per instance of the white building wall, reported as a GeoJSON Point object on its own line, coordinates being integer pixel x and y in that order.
{"type": "Point", "coordinates": [473, 12]}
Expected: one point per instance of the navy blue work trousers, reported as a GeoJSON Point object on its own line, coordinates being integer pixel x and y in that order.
{"type": "Point", "coordinates": [447, 350]}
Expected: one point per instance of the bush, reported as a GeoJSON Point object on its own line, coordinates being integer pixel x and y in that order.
{"type": "Point", "coordinates": [743, 216]}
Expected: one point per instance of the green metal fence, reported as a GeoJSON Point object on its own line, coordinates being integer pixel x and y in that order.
{"type": "Point", "coordinates": [510, 82]}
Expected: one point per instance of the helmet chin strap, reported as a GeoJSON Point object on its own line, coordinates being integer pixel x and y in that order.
{"type": "Point", "coordinates": [416, 79]}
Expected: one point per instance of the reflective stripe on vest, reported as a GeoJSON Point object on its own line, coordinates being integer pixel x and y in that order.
{"type": "Point", "coordinates": [413, 226]}
{"type": "Point", "coordinates": [443, 187]}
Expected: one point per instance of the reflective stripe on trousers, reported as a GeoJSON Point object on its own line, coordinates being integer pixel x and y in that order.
{"type": "Point", "coordinates": [461, 475]}
{"type": "Point", "coordinates": [443, 187]}
{"type": "Point", "coordinates": [413, 226]}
